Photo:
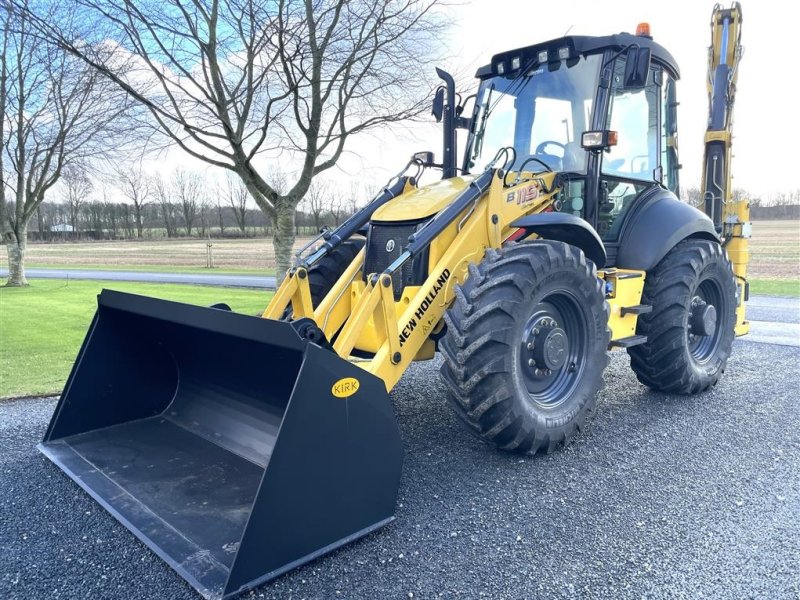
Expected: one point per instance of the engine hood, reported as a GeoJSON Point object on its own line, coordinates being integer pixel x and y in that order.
{"type": "Point", "coordinates": [422, 202]}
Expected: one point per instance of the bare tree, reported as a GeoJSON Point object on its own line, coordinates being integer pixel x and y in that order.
{"type": "Point", "coordinates": [96, 217]}
{"type": "Point", "coordinates": [135, 186]}
{"type": "Point", "coordinates": [237, 195]}
{"type": "Point", "coordinates": [337, 205]}
{"type": "Point", "coordinates": [57, 111]}
{"type": "Point", "coordinates": [7, 235]}
{"type": "Point", "coordinates": [188, 188]}
{"type": "Point", "coordinates": [40, 226]}
{"type": "Point", "coordinates": [77, 187]}
{"type": "Point", "coordinates": [127, 219]}
{"type": "Point", "coordinates": [315, 201]}
{"type": "Point", "coordinates": [111, 211]}
{"type": "Point", "coordinates": [166, 208]}
{"type": "Point", "coordinates": [229, 81]}
{"type": "Point", "coordinates": [354, 197]}
{"type": "Point", "coordinates": [221, 216]}
{"type": "Point", "coordinates": [691, 195]}
{"type": "Point", "coordinates": [204, 213]}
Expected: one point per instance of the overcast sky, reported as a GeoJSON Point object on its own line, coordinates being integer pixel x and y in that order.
{"type": "Point", "coordinates": [765, 123]}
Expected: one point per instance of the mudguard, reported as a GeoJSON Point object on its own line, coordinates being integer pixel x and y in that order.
{"type": "Point", "coordinates": [563, 227]}
{"type": "Point", "coordinates": [658, 222]}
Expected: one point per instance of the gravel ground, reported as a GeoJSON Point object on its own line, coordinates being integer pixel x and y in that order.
{"type": "Point", "coordinates": [662, 497]}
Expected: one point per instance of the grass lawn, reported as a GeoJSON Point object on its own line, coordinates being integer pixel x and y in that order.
{"type": "Point", "coordinates": [775, 287]}
{"type": "Point", "coordinates": [42, 326]}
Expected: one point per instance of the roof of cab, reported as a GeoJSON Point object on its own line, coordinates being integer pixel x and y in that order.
{"type": "Point", "coordinates": [584, 44]}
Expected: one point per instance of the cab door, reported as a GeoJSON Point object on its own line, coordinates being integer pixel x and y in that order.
{"type": "Point", "coordinates": [634, 164]}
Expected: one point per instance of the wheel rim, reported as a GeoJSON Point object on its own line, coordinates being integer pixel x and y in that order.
{"type": "Point", "coordinates": [553, 348]}
{"type": "Point", "coordinates": [704, 330]}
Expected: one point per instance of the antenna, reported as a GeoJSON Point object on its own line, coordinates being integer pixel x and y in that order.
{"type": "Point", "coordinates": [568, 30]}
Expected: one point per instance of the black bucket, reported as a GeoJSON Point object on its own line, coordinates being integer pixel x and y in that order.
{"type": "Point", "coordinates": [227, 443]}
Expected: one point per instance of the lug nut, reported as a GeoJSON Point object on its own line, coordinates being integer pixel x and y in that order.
{"type": "Point", "coordinates": [529, 346]}
{"type": "Point", "coordinates": [535, 331]}
{"type": "Point", "coordinates": [548, 372]}
{"type": "Point", "coordinates": [538, 373]}
{"type": "Point", "coordinates": [531, 362]}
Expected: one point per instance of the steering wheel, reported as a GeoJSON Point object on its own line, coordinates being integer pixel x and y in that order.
{"type": "Point", "coordinates": [538, 160]}
{"type": "Point", "coordinates": [540, 148]}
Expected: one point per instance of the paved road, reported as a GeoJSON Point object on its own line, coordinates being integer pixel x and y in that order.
{"type": "Point", "coordinates": [661, 497]}
{"type": "Point", "coordinates": [774, 320]}
{"type": "Point", "coordinates": [763, 311]}
{"type": "Point", "coordinates": [760, 308]}
{"type": "Point", "coordinates": [254, 281]}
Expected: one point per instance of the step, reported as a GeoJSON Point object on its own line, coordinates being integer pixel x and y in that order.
{"type": "Point", "coordinates": [627, 342]}
{"type": "Point", "coordinates": [639, 309]}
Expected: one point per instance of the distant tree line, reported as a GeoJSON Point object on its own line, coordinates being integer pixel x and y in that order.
{"type": "Point", "coordinates": [182, 205]}
{"type": "Point", "coordinates": [781, 205]}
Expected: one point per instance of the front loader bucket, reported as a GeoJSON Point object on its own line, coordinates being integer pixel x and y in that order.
{"type": "Point", "coordinates": [223, 441]}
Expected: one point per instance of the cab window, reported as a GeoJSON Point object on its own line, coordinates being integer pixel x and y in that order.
{"type": "Point", "coordinates": [540, 113]}
{"type": "Point", "coordinates": [633, 164]}
{"type": "Point", "coordinates": [669, 136]}
{"type": "Point", "coordinates": [634, 115]}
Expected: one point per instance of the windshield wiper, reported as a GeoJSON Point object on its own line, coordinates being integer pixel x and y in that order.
{"type": "Point", "coordinates": [515, 84]}
{"type": "Point", "coordinates": [482, 125]}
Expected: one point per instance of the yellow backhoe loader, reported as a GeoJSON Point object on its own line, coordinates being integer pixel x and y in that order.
{"type": "Point", "coordinates": [239, 447]}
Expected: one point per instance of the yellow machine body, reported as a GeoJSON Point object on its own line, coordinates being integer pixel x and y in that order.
{"type": "Point", "coordinates": [364, 312]}
{"type": "Point", "coordinates": [383, 335]}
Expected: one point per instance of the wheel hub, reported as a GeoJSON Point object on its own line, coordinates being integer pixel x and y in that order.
{"type": "Point", "coordinates": [547, 345]}
{"type": "Point", "coordinates": [702, 318]}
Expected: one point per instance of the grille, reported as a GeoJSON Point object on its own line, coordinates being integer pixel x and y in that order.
{"type": "Point", "coordinates": [378, 258]}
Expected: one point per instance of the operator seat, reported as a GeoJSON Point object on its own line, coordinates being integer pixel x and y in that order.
{"type": "Point", "coordinates": [574, 157]}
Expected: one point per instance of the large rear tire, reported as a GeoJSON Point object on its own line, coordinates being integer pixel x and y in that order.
{"type": "Point", "coordinates": [525, 346]}
{"type": "Point", "coordinates": [690, 330]}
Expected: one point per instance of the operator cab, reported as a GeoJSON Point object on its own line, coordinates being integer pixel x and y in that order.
{"type": "Point", "coordinates": [540, 100]}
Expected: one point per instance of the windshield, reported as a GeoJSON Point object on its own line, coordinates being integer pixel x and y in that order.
{"type": "Point", "coordinates": [542, 114]}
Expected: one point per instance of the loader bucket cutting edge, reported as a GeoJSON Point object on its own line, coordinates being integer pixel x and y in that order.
{"type": "Point", "coordinates": [216, 438]}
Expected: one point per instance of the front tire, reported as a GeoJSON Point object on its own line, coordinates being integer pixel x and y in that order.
{"type": "Point", "coordinates": [525, 347]}
{"type": "Point", "coordinates": [323, 275]}
{"type": "Point", "coordinates": [690, 330]}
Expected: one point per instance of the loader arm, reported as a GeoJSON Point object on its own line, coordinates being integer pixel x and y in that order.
{"type": "Point", "coordinates": [731, 216]}
{"type": "Point", "coordinates": [481, 216]}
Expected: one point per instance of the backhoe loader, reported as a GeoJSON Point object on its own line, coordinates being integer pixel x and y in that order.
{"type": "Point", "coordinates": [239, 447]}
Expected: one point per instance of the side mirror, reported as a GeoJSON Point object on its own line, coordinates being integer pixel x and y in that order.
{"type": "Point", "coordinates": [637, 66]}
{"type": "Point", "coordinates": [438, 105]}
{"type": "Point", "coordinates": [425, 159]}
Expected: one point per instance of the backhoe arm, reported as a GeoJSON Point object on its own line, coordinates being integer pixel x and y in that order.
{"type": "Point", "coordinates": [731, 216]}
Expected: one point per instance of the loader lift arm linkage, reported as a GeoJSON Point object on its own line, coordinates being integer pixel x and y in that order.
{"type": "Point", "coordinates": [403, 336]}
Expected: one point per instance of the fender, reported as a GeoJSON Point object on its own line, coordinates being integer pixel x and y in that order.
{"type": "Point", "coordinates": [657, 224]}
{"type": "Point", "coordinates": [564, 227]}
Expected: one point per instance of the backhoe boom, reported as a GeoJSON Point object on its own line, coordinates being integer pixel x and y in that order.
{"type": "Point", "coordinates": [731, 215]}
